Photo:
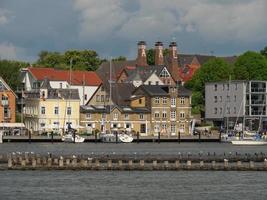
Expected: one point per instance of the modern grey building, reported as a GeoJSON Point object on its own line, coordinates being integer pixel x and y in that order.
{"type": "Point", "coordinates": [237, 102]}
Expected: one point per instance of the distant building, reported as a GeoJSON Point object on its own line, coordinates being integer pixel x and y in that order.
{"type": "Point", "coordinates": [148, 109]}
{"type": "Point", "coordinates": [85, 81]}
{"type": "Point", "coordinates": [8, 103]}
{"type": "Point", "coordinates": [49, 109]}
{"type": "Point", "coordinates": [237, 102]}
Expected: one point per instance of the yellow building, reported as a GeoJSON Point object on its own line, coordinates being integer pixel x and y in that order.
{"type": "Point", "coordinates": [148, 109]}
{"type": "Point", "coordinates": [49, 109]}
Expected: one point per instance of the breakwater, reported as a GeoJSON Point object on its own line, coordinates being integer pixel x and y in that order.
{"type": "Point", "coordinates": [233, 161]}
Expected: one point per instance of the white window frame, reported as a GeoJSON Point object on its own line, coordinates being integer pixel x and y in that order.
{"type": "Point", "coordinates": [182, 115]}
{"type": "Point", "coordinates": [173, 102]}
{"type": "Point", "coordinates": [157, 100]}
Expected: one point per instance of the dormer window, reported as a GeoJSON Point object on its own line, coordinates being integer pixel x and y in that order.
{"type": "Point", "coordinates": [164, 73]}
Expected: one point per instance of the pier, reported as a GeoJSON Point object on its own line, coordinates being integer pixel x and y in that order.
{"type": "Point", "coordinates": [225, 162]}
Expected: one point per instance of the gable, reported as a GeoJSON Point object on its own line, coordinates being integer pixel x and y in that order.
{"type": "Point", "coordinates": [164, 73]}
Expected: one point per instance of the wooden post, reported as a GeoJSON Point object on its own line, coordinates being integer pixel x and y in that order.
{"type": "Point", "coordinates": [251, 164]}
{"type": "Point", "coordinates": [109, 164]}
{"type": "Point", "coordinates": [189, 164]}
{"type": "Point", "coordinates": [177, 164]}
{"type": "Point", "coordinates": [137, 137]}
{"type": "Point", "coordinates": [158, 137]}
{"type": "Point", "coordinates": [166, 164]}
{"type": "Point", "coordinates": [9, 164]}
{"type": "Point", "coordinates": [61, 162]}
{"type": "Point", "coordinates": [33, 162]}
{"type": "Point", "coordinates": [95, 136]}
{"type": "Point", "coordinates": [225, 163]}
{"type": "Point", "coordinates": [199, 137]}
{"type": "Point", "coordinates": [179, 137]}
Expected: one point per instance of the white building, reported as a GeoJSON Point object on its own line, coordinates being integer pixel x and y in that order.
{"type": "Point", "coordinates": [85, 81]}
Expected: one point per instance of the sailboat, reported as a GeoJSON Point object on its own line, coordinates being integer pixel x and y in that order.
{"type": "Point", "coordinates": [71, 135]}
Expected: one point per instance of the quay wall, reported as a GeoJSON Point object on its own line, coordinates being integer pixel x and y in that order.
{"type": "Point", "coordinates": [26, 161]}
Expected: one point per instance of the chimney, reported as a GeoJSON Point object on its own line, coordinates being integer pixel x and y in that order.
{"type": "Point", "coordinates": [141, 57]}
{"type": "Point", "coordinates": [173, 61]}
{"type": "Point", "coordinates": [159, 53]}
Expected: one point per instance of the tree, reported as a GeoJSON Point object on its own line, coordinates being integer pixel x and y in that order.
{"type": "Point", "coordinates": [213, 70]}
{"type": "Point", "coordinates": [150, 55]}
{"type": "Point", "coordinates": [264, 52]}
{"type": "Point", "coordinates": [251, 66]}
{"type": "Point", "coordinates": [10, 72]}
{"type": "Point", "coordinates": [120, 58]}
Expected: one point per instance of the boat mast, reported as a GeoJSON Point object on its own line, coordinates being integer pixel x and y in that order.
{"type": "Point", "coordinates": [110, 92]}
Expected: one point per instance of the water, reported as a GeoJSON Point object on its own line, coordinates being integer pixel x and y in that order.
{"type": "Point", "coordinates": [132, 185]}
{"type": "Point", "coordinates": [142, 148]}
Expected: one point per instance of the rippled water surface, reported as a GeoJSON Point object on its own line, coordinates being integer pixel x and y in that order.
{"type": "Point", "coordinates": [162, 148]}
{"type": "Point", "coordinates": [132, 185]}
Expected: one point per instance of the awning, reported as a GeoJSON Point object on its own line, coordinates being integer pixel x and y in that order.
{"type": "Point", "coordinates": [12, 125]}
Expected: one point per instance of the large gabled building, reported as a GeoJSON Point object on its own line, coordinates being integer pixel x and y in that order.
{"type": "Point", "coordinates": [85, 81]}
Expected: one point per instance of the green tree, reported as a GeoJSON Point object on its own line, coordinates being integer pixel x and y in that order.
{"type": "Point", "coordinates": [120, 58]}
{"type": "Point", "coordinates": [150, 55]}
{"type": "Point", "coordinates": [264, 52]}
{"type": "Point", "coordinates": [10, 72]}
{"type": "Point", "coordinates": [251, 66]}
{"type": "Point", "coordinates": [213, 70]}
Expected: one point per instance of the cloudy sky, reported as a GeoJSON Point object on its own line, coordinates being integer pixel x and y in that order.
{"type": "Point", "coordinates": [113, 27]}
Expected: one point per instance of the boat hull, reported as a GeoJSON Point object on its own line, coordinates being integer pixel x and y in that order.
{"type": "Point", "coordinates": [247, 142]}
{"type": "Point", "coordinates": [70, 139]}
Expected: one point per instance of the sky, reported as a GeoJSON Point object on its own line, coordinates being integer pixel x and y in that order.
{"type": "Point", "coordinates": [113, 27]}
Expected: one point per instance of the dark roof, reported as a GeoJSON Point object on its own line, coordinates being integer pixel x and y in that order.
{"type": "Point", "coordinates": [182, 91]}
{"type": "Point", "coordinates": [155, 90]}
{"type": "Point", "coordinates": [107, 109]}
{"type": "Point", "coordinates": [66, 94]}
{"type": "Point", "coordinates": [121, 92]}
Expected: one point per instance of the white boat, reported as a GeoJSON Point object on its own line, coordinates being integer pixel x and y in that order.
{"type": "Point", "coordinates": [70, 138]}
{"type": "Point", "coordinates": [125, 138]}
{"type": "Point", "coordinates": [109, 137]}
{"type": "Point", "coordinates": [249, 142]}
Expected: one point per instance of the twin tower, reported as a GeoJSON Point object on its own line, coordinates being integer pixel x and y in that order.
{"type": "Point", "coordinates": [171, 61]}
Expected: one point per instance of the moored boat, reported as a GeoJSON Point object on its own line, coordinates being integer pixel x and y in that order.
{"type": "Point", "coordinates": [249, 142]}
{"type": "Point", "coordinates": [69, 138]}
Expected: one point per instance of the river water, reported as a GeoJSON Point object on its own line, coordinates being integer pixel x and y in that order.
{"type": "Point", "coordinates": [214, 185]}
{"type": "Point", "coordinates": [141, 148]}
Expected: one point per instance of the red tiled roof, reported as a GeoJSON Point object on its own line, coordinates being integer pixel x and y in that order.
{"type": "Point", "coordinates": [77, 77]}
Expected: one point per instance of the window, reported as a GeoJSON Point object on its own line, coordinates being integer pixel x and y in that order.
{"type": "Point", "coordinates": [156, 100]}
{"type": "Point", "coordinates": [142, 128]}
{"type": "Point", "coordinates": [234, 110]}
{"type": "Point", "coordinates": [164, 126]}
{"type": "Point", "coordinates": [228, 110]}
{"type": "Point", "coordinates": [6, 112]}
{"type": "Point", "coordinates": [126, 116]}
{"type": "Point", "coordinates": [141, 116]}
{"type": "Point", "coordinates": [85, 97]}
{"type": "Point", "coordinates": [57, 123]}
{"type": "Point", "coordinates": [215, 99]}
{"type": "Point", "coordinates": [157, 82]}
{"type": "Point", "coordinates": [115, 116]}
{"type": "Point", "coordinates": [164, 114]}
{"type": "Point", "coordinates": [215, 110]}
{"type": "Point", "coordinates": [156, 114]}
{"type": "Point", "coordinates": [215, 87]}
{"type": "Point", "coordinates": [42, 110]}
{"type": "Point", "coordinates": [102, 98]}
{"type": "Point", "coordinates": [42, 125]}
{"type": "Point", "coordinates": [235, 98]}
{"type": "Point", "coordinates": [56, 111]}
{"type": "Point", "coordinates": [156, 128]}
{"type": "Point", "coordinates": [140, 101]}
{"type": "Point", "coordinates": [102, 88]}
{"type": "Point", "coordinates": [173, 101]}
{"type": "Point", "coordinates": [173, 128]}
{"type": "Point", "coordinates": [103, 116]}
{"type": "Point", "coordinates": [228, 98]}
{"type": "Point", "coordinates": [69, 111]}
{"type": "Point", "coordinates": [182, 115]}
{"type": "Point", "coordinates": [164, 100]}
{"type": "Point", "coordinates": [88, 116]}
{"type": "Point", "coordinates": [173, 114]}
{"type": "Point", "coordinates": [97, 98]}
{"type": "Point", "coordinates": [107, 98]}
{"type": "Point", "coordinates": [220, 110]}
{"type": "Point", "coordinates": [220, 98]}
{"type": "Point", "coordinates": [164, 73]}
{"type": "Point", "coordinates": [182, 100]}
{"type": "Point", "coordinates": [182, 127]}
{"type": "Point", "coordinates": [60, 85]}
{"type": "Point", "coordinates": [149, 82]}
{"type": "Point", "coordinates": [4, 100]}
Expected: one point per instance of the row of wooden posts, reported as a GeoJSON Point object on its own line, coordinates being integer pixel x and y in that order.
{"type": "Point", "coordinates": [109, 164]}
